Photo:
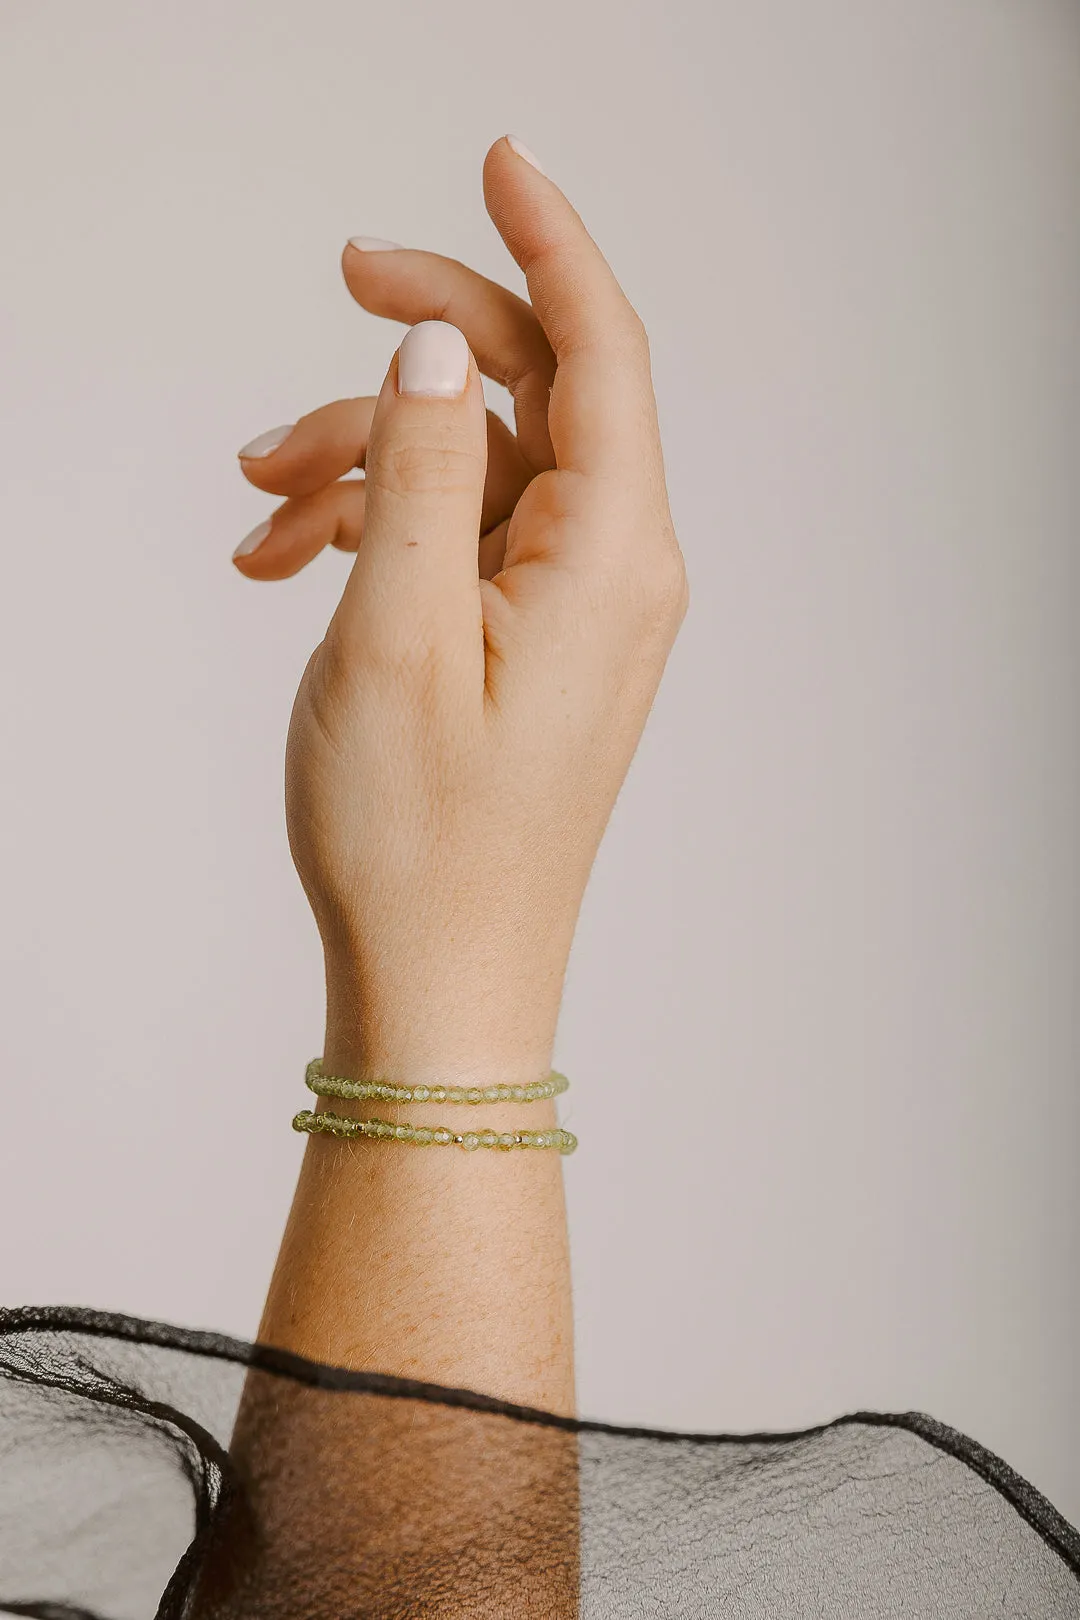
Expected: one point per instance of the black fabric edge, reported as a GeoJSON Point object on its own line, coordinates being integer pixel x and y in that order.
{"type": "Point", "coordinates": [205, 1447]}
{"type": "Point", "coordinates": [1022, 1496]}
{"type": "Point", "coordinates": [1032, 1506]}
{"type": "Point", "coordinates": [49, 1611]}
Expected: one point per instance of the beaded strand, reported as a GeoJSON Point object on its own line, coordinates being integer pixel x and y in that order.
{"type": "Point", "coordinates": [325, 1085]}
{"type": "Point", "coordinates": [330, 1124]}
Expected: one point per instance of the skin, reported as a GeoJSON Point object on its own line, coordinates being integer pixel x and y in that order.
{"type": "Point", "coordinates": [457, 744]}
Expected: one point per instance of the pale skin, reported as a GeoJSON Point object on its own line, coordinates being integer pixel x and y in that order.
{"type": "Point", "coordinates": [456, 747]}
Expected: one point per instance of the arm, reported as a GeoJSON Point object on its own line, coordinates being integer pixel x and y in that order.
{"type": "Point", "coordinates": [456, 747]}
{"type": "Point", "coordinates": [455, 751]}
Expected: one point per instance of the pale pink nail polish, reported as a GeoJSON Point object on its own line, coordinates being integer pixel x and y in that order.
{"type": "Point", "coordinates": [373, 244]}
{"type": "Point", "coordinates": [523, 152]}
{"type": "Point", "coordinates": [251, 542]}
{"type": "Point", "coordinates": [433, 359]}
{"type": "Point", "coordinates": [266, 443]}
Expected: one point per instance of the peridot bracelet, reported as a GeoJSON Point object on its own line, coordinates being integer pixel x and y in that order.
{"type": "Point", "coordinates": [436, 1135]}
{"type": "Point", "coordinates": [326, 1085]}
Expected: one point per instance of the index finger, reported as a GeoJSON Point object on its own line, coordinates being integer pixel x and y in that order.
{"type": "Point", "coordinates": [602, 415]}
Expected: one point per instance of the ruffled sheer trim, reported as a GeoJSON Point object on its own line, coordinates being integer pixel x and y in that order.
{"type": "Point", "coordinates": [154, 1470]}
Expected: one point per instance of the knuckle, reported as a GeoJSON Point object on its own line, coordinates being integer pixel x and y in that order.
{"type": "Point", "coordinates": [681, 605]}
{"type": "Point", "coordinates": [652, 596]}
{"type": "Point", "coordinates": [622, 341]}
{"type": "Point", "coordinates": [381, 656]}
{"type": "Point", "coordinates": [677, 587]}
{"type": "Point", "coordinates": [668, 588]}
{"type": "Point", "coordinates": [661, 590]}
{"type": "Point", "coordinates": [333, 666]}
{"type": "Point", "coordinates": [323, 693]}
{"type": "Point", "coordinates": [424, 469]}
{"type": "Point", "coordinates": [398, 659]}
{"type": "Point", "coordinates": [636, 335]}
{"type": "Point", "coordinates": [626, 335]}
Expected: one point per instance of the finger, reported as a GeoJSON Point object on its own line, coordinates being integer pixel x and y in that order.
{"type": "Point", "coordinates": [283, 544]}
{"type": "Point", "coordinates": [502, 331]}
{"type": "Point", "coordinates": [334, 514]}
{"type": "Point", "coordinates": [413, 594]}
{"type": "Point", "coordinates": [602, 413]}
{"type": "Point", "coordinates": [331, 442]}
{"type": "Point", "coordinates": [508, 474]}
{"type": "Point", "coordinates": [492, 555]}
{"type": "Point", "coordinates": [299, 530]}
{"type": "Point", "coordinates": [322, 446]}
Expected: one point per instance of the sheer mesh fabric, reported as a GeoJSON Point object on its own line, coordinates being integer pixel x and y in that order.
{"type": "Point", "coordinates": [148, 1471]}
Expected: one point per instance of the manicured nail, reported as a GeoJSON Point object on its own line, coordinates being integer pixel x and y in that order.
{"type": "Point", "coordinates": [266, 443]}
{"type": "Point", "coordinates": [523, 152]}
{"type": "Point", "coordinates": [252, 541]}
{"type": "Point", "coordinates": [373, 244]}
{"type": "Point", "coordinates": [433, 359]}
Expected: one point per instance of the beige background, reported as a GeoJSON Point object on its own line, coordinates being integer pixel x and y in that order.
{"type": "Point", "coordinates": [821, 1011]}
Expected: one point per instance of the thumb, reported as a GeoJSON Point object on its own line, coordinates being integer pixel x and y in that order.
{"type": "Point", "coordinates": [413, 593]}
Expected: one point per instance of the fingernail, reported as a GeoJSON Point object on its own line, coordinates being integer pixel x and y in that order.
{"type": "Point", "coordinates": [252, 541]}
{"type": "Point", "coordinates": [433, 359]}
{"type": "Point", "coordinates": [373, 244]}
{"type": "Point", "coordinates": [523, 152]}
{"type": "Point", "coordinates": [266, 443]}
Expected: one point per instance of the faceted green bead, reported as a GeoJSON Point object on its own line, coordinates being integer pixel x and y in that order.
{"type": "Point", "coordinates": [327, 1122]}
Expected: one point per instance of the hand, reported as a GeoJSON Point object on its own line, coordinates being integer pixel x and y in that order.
{"type": "Point", "coordinates": [461, 733]}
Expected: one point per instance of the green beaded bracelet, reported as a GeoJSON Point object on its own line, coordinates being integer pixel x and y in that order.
{"type": "Point", "coordinates": [437, 1135]}
{"type": "Point", "coordinates": [325, 1085]}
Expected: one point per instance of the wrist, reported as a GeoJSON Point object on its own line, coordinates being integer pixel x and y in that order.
{"type": "Point", "coordinates": [435, 1035]}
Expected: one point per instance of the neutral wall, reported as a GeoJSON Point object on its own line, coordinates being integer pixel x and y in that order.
{"type": "Point", "coordinates": [821, 1008]}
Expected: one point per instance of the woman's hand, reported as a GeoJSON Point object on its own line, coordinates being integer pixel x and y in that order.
{"type": "Point", "coordinates": [461, 733]}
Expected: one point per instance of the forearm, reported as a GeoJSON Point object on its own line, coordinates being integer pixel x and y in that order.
{"type": "Point", "coordinates": [430, 1262]}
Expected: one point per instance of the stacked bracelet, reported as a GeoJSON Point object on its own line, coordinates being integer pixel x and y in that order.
{"type": "Point", "coordinates": [431, 1135]}
{"type": "Point", "coordinates": [326, 1085]}
{"type": "Point", "coordinates": [325, 1123]}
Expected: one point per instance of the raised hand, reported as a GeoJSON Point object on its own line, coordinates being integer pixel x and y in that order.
{"type": "Point", "coordinates": [461, 733]}
{"type": "Point", "coordinates": [457, 743]}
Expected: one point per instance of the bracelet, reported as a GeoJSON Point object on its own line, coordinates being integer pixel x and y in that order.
{"type": "Point", "coordinates": [325, 1085]}
{"type": "Point", "coordinates": [440, 1135]}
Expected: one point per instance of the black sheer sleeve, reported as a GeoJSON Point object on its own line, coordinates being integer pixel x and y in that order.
{"type": "Point", "coordinates": [145, 1470]}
